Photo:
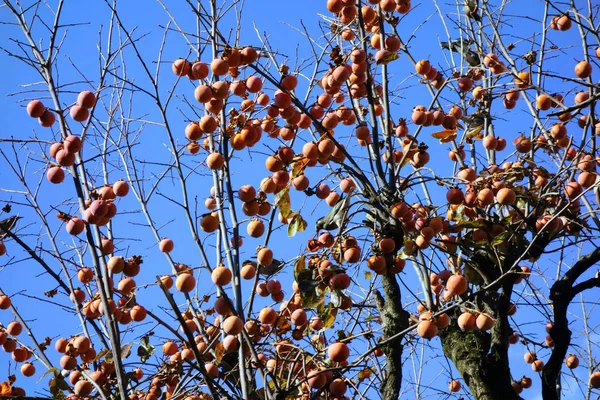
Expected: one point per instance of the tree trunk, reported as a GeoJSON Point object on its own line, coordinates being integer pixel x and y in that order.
{"type": "Point", "coordinates": [394, 319]}
{"type": "Point", "coordinates": [479, 363]}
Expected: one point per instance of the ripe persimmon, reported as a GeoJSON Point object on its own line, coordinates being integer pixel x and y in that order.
{"type": "Point", "coordinates": [454, 386]}
{"type": "Point", "coordinates": [221, 275]}
{"type": "Point", "coordinates": [267, 316]}
{"type": "Point", "coordinates": [338, 352]}
{"type": "Point", "coordinates": [47, 119]}
{"type": "Point", "coordinates": [466, 321]}
{"type": "Point", "coordinates": [583, 69]}
{"type": "Point", "coordinates": [35, 108]}
{"type": "Point", "coordinates": [185, 282]}
{"type": "Point", "coordinates": [180, 67]}
{"type": "Point", "coordinates": [28, 369]}
{"type": "Point", "coordinates": [255, 228]}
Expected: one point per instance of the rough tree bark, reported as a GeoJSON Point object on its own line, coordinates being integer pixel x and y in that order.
{"type": "Point", "coordinates": [394, 319]}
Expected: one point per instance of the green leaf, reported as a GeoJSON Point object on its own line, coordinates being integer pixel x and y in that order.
{"type": "Point", "coordinates": [327, 314]}
{"type": "Point", "coordinates": [468, 225]}
{"type": "Point", "coordinates": [501, 238]}
{"type": "Point", "coordinates": [297, 224]}
{"type": "Point", "coordinates": [368, 274]}
{"type": "Point", "coordinates": [145, 349]}
{"type": "Point", "coordinates": [50, 371]}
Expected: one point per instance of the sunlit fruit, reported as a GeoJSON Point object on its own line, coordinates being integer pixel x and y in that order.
{"type": "Point", "coordinates": [248, 271]}
{"type": "Point", "coordinates": [67, 362]}
{"type": "Point", "coordinates": [75, 226]}
{"type": "Point", "coordinates": [47, 119]}
{"type": "Point", "coordinates": [209, 223]}
{"type": "Point", "coordinates": [138, 313]}
{"type": "Point", "coordinates": [338, 352]}
{"type": "Point", "coordinates": [79, 114]}
{"type": "Point", "coordinates": [530, 357]}
{"type": "Point", "coordinates": [35, 108]}
{"type": "Point", "coordinates": [255, 228]}
{"type": "Point", "coordinates": [454, 386]}
{"type": "Point", "coordinates": [5, 302]}
{"type": "Point", "coordinates": [185, 282]}
{"type": "Point", "coordinates": [506, 196]}
{"type": "Point", "coordinates": [64, 158]}
{"type": "Point", "coordinates": [572, 361]}
{"type": "Point", "coordinates": [221, 275]}
{"type": "Point", "coordinates": [583, 69]}
{"type": "Point", "coordinates": [523, 79]}
{"type": "Point", "coordinates": [180, 67]}
{"type": "Point", "coordinates": [21, 354]}
{"type": "Point", "coordinates": [274, 286]}
{"type": "Point", "coordinates": [86, 99]}
{"type": "Point", "coordinates": [27, 369]}
{"type": "Point", "coordinates": [484, 322]}
{"type": "Point", "coordinates": [426, 327]}
{"type": "Point", "coordinates": [126, 286]}
{"type": "Point", "coordinates": [466, 321]}
{"type": "Point", "coordinates": [267, 315]}
{"type": "Point", "coordinates": [595, 380]}
{"type": "Point", "coordinates": [537, 365]}
{"type": "Point", "coordinates": [166, 245]}
{"type": "Point", "coordinates": [215, 161]}
{"type": "Point", "coordinates": [232, 325]}
{"type": "Point", "coordinates": [573, 189]}
{"type": "Point", "coordinates": [298, 317]}
{"type": "Point", "coordinates": [83, 388]}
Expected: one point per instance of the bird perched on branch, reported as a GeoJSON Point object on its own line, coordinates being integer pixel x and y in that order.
{"type": "Point", "coordinates": [475, 122]}
{"type": "Point", "coordinates": [336, 216]}
{"type": "Point", "coordinates": [471, 9]}
{"type": "Point", "coordinates": [267, 270]}
{"type": "Point", "coordinates": [7, 225]}
{"type": "Point", "coordinates": [463, 46]}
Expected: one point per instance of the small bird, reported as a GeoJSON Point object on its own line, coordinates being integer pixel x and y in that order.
{"type": "Point", "coordinates": [268, 270]}
{"type": "Point", "coordinates": [475, 122]}
{"type": "Point", "coordinates": [271, 269]}
{"type": "Point", "coordinates": [7, 225]}
{"type": "Point", "coordinates": [472, 275]}
{"type": "Point", "coordinates": [471, 9]}
{"type": "Point", "coordinates": [463, 46]}
{"type": "Point", "coordinates": [336, 216]}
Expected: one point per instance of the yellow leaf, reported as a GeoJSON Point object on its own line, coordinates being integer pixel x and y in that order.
{"type": "Point", "coordinates": [364, 374]}
{"type": "Point", "coordinates": [219, 352]}
{"type": "Point", "coordinates": [473, 131]}
{"type": "Point", "coordinates": [298, 167]}
{"type": "Point", "coordinates": [297, 224]}
{"type": "Point", "coordinates": [327, 314]}
{"type": "Point", "coordinates": [282, 200]}
{"type": "Point", "coordinates": [387, 58]}
{"type": "Point", "coordinates": [300, 264]}
{"type": "Point", "coordinates": [5, 389]}
{"type": "Point", "coordinates": [445, 136]}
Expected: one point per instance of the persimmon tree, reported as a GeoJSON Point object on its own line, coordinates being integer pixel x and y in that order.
{"type": "Point", "coordinates": [394, 201]}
